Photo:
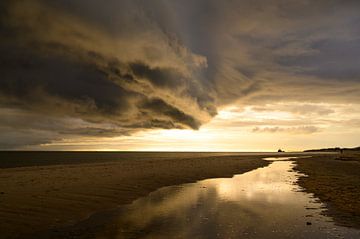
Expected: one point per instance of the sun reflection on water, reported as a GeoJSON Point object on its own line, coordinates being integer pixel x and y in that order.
{"type": "Point", "coordinates": [263, 203]}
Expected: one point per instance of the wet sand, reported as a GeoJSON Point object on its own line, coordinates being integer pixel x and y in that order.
{"type": "Point", "coordinates": [335, 180]}
{"type": "Point", "coordinates": [38, 198]}
{"type": "Point", "coordinates": [263, 203]}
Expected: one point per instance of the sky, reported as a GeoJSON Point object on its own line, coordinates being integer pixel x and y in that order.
{"type": "Point", "coordinates": [179, 75]}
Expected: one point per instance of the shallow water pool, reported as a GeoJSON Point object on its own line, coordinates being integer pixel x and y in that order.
{"type": "Point", "coordinates": [263, 203]}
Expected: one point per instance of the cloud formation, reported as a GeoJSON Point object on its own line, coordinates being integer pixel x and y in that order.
{"type": "Point", "coordinates": [292, 130]}
{"type": "Point", "coordinates": [86, 68]}
{"type": "Point", "coordinates": [60, 64]}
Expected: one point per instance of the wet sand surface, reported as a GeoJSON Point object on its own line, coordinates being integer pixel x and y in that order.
{"type": "Point", "coordinates": [38, 198]}
{"type": "Point", "coordinates": [40, 195]}
{"type": "Point", "coordinates": [263, 203]}
{"type": "Point", "coordinates": [335, 180]}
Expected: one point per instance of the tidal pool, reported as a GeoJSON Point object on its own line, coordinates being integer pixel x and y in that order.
{"type": "Point", "coordinates": [263, 203]}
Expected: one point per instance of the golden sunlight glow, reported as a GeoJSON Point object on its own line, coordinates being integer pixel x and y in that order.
{"type": "Point", "coordinates": [291, 126]}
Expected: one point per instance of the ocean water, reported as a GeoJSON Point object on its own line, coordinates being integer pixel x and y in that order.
{"type": "Point", "coordinates": [11, 159]}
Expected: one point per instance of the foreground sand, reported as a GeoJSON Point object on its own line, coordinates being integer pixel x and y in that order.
{"type": "Point", "coordinates": [335, 180]}
{"type": "Point", "coordinates": [37, 198]}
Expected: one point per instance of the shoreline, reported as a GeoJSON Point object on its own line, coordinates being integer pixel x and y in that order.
{"type": "Point", "coordinates": [51, 196]}
{"type": "Point", "coordinates": [335, 180]}
{"type": "Point", "coordinates": [40, 198]}
{"type": "Point", "coordinates": [16, 159]}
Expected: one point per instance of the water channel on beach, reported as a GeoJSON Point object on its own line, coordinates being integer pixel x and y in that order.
{"type": "Point", "coordinates": [262, 203]}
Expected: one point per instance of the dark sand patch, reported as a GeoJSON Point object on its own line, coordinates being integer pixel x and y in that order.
{"type": "Point", "coordinates": [335, 180]}
{"type": "Point", "coordinates": [42, 197]}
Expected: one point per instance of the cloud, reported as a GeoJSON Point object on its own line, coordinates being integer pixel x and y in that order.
{"type": "Point", "coordinates": [279, 51]}
{"type": "Point", "coordinates": [297, 108]}
{"type": "Point", "coordinates": [291, 130]}
{"type": "Point", "coordinates": [119, 67]}
{"type": "Point", "coordinates": [59, 64]}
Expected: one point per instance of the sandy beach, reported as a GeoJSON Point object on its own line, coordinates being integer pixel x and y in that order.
{"type": "Point", "coordinates": [335, 180]}
{"type": "Point", "coordinates": [55, 190]}
{"type": "Point", "coordinates": [39, 198]}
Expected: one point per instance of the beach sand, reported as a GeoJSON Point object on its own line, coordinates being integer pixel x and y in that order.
{"type": "Point", "coordinates": [38, 198]}
{"type": "Point", "coordinates": [46, 191]}
{"type": "Point", "coordinates": [335, 180]}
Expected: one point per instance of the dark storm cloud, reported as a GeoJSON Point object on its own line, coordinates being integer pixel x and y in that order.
{"type": "Point", "coordinates": [34, 78]}
{"type": "Point", "coordinates": [11, 139]}
{"type": "Point", "coordinates": [67, 59]}
{"type": "Point", "coordinates": [86, 68]}
{"type": "Point", "coordinates": [338, 59]}
{"type": "Point", "coordinates": [281, 47]}
{"type": "Point", "coordinates": [157, 76]}
{"type": "Point", "coordinates": [160, 106]}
